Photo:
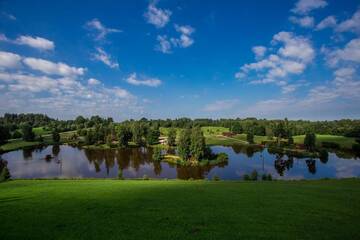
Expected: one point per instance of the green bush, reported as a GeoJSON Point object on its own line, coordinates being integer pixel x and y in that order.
{"type": "Point", "coordinates": [222, 157]}
{"type": "Point", "coordinates": [254, 175]}
{"type": "Point", "coordinates": [146, 177]}
{"type": "Point", "coordinates": [216, 178]}
{"type": "Point", "coordinates": [247, 177]}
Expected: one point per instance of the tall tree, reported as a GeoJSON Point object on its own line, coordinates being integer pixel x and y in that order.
{"type": "Point", "coordinates": [171, 137]}
{"type": "Point", "coordinates": [152, 136]}
{"type": "Point", "coordinates": [310, 141]}
{"type": "Point", "coordinates": [4, 134]}
{"type": "Point", "coordinates": [250, 137]}
{"type": "Point", "coordinates": [28, 134]}
{"type": "Point", "coordinates": [184, 143]}
{"type": "Point", "coordinates": [125, 136]}
{"type": "Point", "coordinates": [237, 128]}
{"type": "Point", "coordinates": [197, 147]}
{"type": "Point", "coordinates": [56, 136]}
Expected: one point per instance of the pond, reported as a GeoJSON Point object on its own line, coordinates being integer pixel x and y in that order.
{"type": "Point", "coordinates": [73, 162]}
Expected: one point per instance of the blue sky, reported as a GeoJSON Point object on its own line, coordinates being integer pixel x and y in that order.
{"type": "Point", "coordinates": [167, 59]}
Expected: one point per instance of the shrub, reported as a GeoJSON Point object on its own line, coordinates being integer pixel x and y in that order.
{"type": "Point", "coordinates": [246, 177]}
{"type": "Point", "coordinates": [254, 175]}
{"type": "Point", "coordinates": [56, 136]}
{"type": "Point", "coordinates": [145, 177]}
{"type": "Point", "coordinates": [222, 157]}
{"type": "Point", "coordinates": [269, 177]}
{"type": "Point", "coordinates": [264, 177]}
{"type": "Point", "coordinates": [330, 145]}
{"type": "Point", "coordinates": [216, 178]}
{"type": "Point", "coordinates": [4, 171]}
{"type": "Point", "coordinates": [120, 175]}
{"type": "Point", "coordinates": [17, 134]}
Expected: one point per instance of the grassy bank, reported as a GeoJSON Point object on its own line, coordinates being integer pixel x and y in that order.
{"type": "Point", "coordinates": [111, 209]}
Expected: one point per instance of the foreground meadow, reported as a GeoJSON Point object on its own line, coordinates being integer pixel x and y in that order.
{"type": "Point", "coordinates": [112, 209]}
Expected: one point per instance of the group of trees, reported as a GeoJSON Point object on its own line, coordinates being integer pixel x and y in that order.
{"type": "Point", "coordinates": [191, 144]}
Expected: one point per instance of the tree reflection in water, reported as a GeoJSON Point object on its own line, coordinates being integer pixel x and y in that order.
{"type": "Point", "coordinates": [281, 164]}
{"type": "Point", "coordinates": [311, 164]}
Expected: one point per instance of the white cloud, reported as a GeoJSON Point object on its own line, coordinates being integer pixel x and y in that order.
{"type": "Point", "coordinates": [104, 57]}
{"type": "Point", "coordinates": [55, 96]}
{"type": "Point", "coordinates": [9, 60]}
{"type": "Point", "coordinates": [52, 68]}
{"type": "Point", "coordinates": [306, 6]}
{"type": "Point", "coordinates": [150, 82]}
{"type": "Point", "coordinates": [327, 22]}
{"type": "Point", "coordinates": [35, 42]}
{"type": "Point", "coordinates": [221, 105]}
{"type": "Point", "coordinates": [350, 25]}
{"type": "Point", "coordinates": [259, 51]}
{"type": "Point", "coordinates": [295, 46]}
{"type": "Point", "coordinates": [350, 53]}
{"type": "Point", "coordinates": [100, 29]}
{"type": "Point", "coordinates": [157, 16]}
{"type": "Point", "coordinates": [93, 81]}
{"type": "Point", "coordinates": [164, 45]}
{"type": "Point", "coordinates": [292, 58]}
{"type": "Point", "coordinates": [306, 22]}
{"type": "Point", "coordinates": [185, 39]}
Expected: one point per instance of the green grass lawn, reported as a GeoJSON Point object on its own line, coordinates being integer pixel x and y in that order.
{"type": "Point", "coordinates": [41, 131]}
{"type": "Point", "coordinates": [345, 142]}
{"type": "Point", "coordinates": [17, 144]}
{"type": "Point", "coordinates": [113, 209]}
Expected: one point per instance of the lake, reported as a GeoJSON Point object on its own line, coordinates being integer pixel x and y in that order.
{"type": "Point", "coordinates": [73, 162]}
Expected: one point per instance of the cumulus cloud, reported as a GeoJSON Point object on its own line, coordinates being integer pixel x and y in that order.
{"type": "Point", "coordinates": [164, 45]}
{"type": "Point", "coordinates": [350, 53]}
{"type": "Point", "coordinates": [93, 81]}
{"type": "Point", "coordinates": [306, 22]}
{"type": "Point", "coordinates": [295, 46]}
{"type": "Point", "coordinates": [221, 105]}
{"type": "Point", "coordinates": [350, 25]}
{"type": "Point", "coordinates": [35, 42]}
{"type": "Point", "coordinates": [9, 60]}
{"type": "Point", "coordinates": [56, 95]}
{"type": "Point", "coordinates": [185, 39]}
{"type": "Point", "coordinates": [99, 29]}
{"type": "Point", "coordinates": [52, 68]}
{"type": "Point", "coordinates": [150, 82]}
{"type": "Point", "coordinates": [259, 51]}
{"type": "Point", "coordinates": [104, 57]}
{"type": "Point", "coordinates": [328, 22]}
{"type": "Point", "coordinates": [306, 6]}
{"type": "Point", "coordinates": [157, 16]}
{"type": "Point", "coordinates": [292, 58]}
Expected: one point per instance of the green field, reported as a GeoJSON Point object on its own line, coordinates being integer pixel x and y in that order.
{"type": "Point", "coordinates": [344, 142]}
{"type": "Point", "coordinates": [41, 131]}
{"type": "Point", "coordinates": [15, 144]}
{"type": "Point", "coordinates": [113, 209]}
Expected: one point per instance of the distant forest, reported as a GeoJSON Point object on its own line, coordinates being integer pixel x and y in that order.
{"type": "Point", "coordinates": [345, 127]}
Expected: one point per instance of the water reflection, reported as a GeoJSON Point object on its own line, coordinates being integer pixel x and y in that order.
{"type": "Point", "coordinates": [66, 161]}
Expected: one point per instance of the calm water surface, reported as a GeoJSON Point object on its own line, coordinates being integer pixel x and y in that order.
{"type": "Point", "coordinates": [67, 161]}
